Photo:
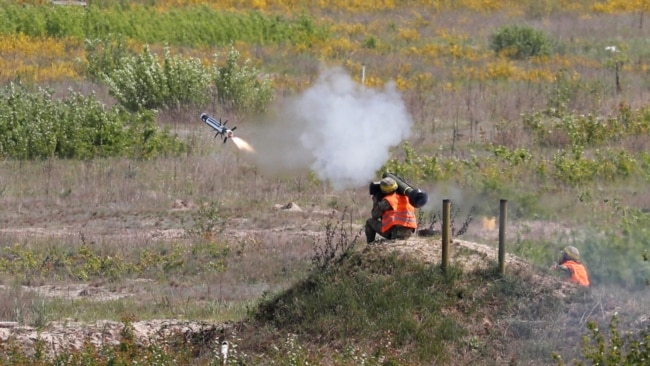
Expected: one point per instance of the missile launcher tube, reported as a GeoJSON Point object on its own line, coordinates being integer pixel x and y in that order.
{"type": "Point", "coordinates": [417, 197]}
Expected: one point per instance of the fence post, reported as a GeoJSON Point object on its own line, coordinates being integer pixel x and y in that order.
{"type": "Point", "coordinates": [446, 233]}
{"type": "Point", "coordinates": [503, 213]}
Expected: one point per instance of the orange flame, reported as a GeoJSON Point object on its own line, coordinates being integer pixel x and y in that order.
{"type": "Point", "coordinates": [242, 145]}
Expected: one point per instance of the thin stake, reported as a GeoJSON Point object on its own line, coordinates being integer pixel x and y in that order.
{"type": "Point", "coordinates": [503, 208]}
{"type": "Point", "coordinates": [446, 231]}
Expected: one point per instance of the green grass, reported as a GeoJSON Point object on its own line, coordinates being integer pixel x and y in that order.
{"type": "Point", "coordinates": [197, 26]}
{"type": "Point", "coordinates": [425, 313]}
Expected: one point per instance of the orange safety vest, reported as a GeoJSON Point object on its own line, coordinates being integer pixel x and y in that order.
{"type": "Point", "coordinates": [402, 214]}
{"type": "Point", "coordinates": [578, 273]}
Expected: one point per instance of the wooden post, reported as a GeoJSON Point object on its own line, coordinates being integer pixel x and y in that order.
{"type": "Point", "coordinates": [503, 208]}
{"type": "Point", "coordinates": [618, 80]}
{"type": "Point", "coordinates": [446, 233]}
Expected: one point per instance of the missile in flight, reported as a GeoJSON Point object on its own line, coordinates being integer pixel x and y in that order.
{"type": "Point", "coordinates": [218, 126]}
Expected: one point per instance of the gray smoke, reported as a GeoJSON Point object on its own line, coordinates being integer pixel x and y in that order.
{"type": "Point", "coordinates": [339, 129]}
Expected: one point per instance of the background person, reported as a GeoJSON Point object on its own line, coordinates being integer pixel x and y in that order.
{"type": "Point", "coordinates": [570, 263]}
{"type": "Point", "coordinates": [393, 216]}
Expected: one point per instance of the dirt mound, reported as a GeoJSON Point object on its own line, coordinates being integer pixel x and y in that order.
{"type": "Point", "coordinates": [471, 256]}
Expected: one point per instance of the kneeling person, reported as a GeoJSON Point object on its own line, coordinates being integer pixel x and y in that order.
{"type": "Point", "coordinates": [570, 263]}
{"type": "Point", "coordinates": [393, 216]}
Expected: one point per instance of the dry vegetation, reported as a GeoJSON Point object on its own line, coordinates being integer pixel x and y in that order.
{"type": "Point", "coordinates": [203, 238]}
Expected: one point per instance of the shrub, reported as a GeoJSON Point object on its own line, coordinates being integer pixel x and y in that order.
{"type": "Point", "coordinates": [104, 56]}
{"type": "Point", "coordinates": [239, 86]}
{"type": "Point", "coordinates": [34, 125]}
{"type": "Point", "coordinates": [520, 42]}
{"type": "Point", "coordinates": [142, 82]}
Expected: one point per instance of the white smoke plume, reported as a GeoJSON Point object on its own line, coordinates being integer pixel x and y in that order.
{"type": "Point", "coordinates": [338, 128]}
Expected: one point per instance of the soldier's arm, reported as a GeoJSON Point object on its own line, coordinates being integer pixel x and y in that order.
{"type": "Point", "coordinates": [562, 268]}
{"type": "Point", "coordinates": [378, 208]}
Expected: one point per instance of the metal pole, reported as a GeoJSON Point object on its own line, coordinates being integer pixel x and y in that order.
{"type": "Point", "coordinates": [503, 211]}
{"type": "Point", "coordinates": [446, 231]}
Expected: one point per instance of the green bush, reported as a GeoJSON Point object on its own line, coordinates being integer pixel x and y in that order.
{"type": "Point", "coordinates": [146, 140]}
{"type": "Point", "coordinates": [142, 82]}
{"type": "Point", "coordinates": [239, 86]}
{"type": "Point", "coordinates": [34, 125]}
{"type": "Point", "coordinates": [520, 42]}
{"type": "Point", "coordinates": [104, 56]}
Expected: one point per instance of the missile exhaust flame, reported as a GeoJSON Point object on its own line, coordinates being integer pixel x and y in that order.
{"type": "Point", "coordinates": [242, 144]}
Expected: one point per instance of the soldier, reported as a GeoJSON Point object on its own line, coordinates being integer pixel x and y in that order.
{"type": "Point", "coordinates": [393, 216]}
{"type": "Point", "coordinates": [570, 263]}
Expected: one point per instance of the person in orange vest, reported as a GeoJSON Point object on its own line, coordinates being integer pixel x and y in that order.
{"type": "Point", "coordinates": [392, 215]}
{"type": "Point", "coordinates": [570, 263]}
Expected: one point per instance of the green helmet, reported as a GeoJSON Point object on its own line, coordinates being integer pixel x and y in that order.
{"type": "Point", "coordinates": [571, 253]}
{"type": "Point", "coordinates": [388, 185]}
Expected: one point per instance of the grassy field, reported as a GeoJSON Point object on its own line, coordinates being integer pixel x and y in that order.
{"type": "Point", "coordinates": [178, 225]}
